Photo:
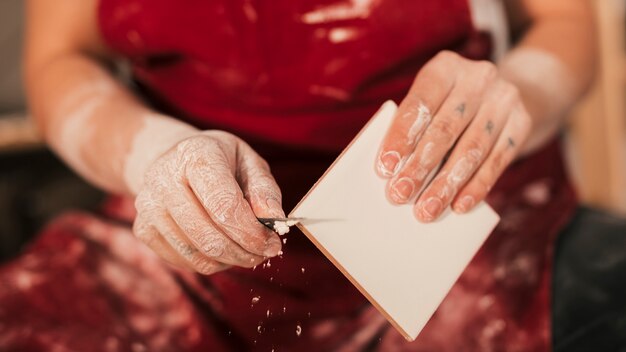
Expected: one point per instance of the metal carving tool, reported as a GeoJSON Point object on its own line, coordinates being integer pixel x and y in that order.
{"type": "Point", "coordinates": [271, 222]}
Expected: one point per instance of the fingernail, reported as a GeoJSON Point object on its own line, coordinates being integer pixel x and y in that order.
{"type": "Point", "coordinates": [403, 189]}
{"type": "Point", "coordinates": [272, 247]}
{"type": "Point", "coordinates": [275, 208]}
{"type": "Point", "coordinates": [431, 208]}
{"type": "Point", "coordinates": [465, 204]}
{"type": "Point", "coordinates": [389, 163]}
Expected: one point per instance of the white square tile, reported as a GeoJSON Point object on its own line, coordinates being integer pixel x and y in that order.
{"type": "Point", "coordinates": [405, 268]}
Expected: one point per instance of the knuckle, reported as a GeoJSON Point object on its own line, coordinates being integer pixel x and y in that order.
{"type": "Point", "coordinates": [496, 163]}
{"type": "Point", "coordinates": [443, 188]}
{"type": "Point", "coordinates": [143, 233]}
{"type": "Point", "coordinates": [222, 202]}
{"type": "Point", "coordinates": [200, 152]}
{"type": "Point", "coordinates": [484, 183]}
{"type": "Point", "coordinates": [419, 173]}
{"type": "Point", "coordinates": [444, 131]}
{"type": "Point", "coordinates": [418, 107]}
{"type": "Point", "coordinates": [142, 200]}
{"type": "Point", "coordinates": [513, 94]}
{"type": "Point", "coordinates": [183, 214]}
{"type": "Point", "coordinates": [487, 70]}
{"type": "Point", "coordinates": [510, 93]}
{"type": "Point", "coordinates": [474, 147]}
{"type": "Point", "coordinates": [415, 168]}
{"type": "Point", "coordinates": [439, 65]}
{"type": "Point", "coordinates": [221, 134]}
{"type": "Point", "coordinates": [447, 56]}
{"type": "Point", "coordinates": [259, 176]}
{"type": "Point", "coordinates": [208, 270]}
{"type": "Point", "coordinates": [192, 144]}
{"type": "Point", "coordinates": [264, 179]}
{"type": "Point", "coordinates": [525, 122]}
{"type": "Point", "coordinates": [261, 191]}
{"type": "Point", "coordinates": [423, 162]}
{"type": "Point", "coordinates": [139, 229]}
{"type": "Point", "coordinates": [500, 162]}
{"type": "Point", "coordinates": [181, 247]}
{"type": "Point", "coordinates": [262, 163]}
{"type": "Point", "coordinates": [159, 176]}
{"type": "Point", "coordinates": [225, 142]}
{"type": "Point", "coordinates": [214, 144]}
{"type": "Point", "coordinates": [153, 172]}
{"type": "Point", "coordinates": [212, 245]}
{"type": "Point", "coordinates": [147, 206]}
{"type": "Point", "coordinates": [411, 109]}
{"type": "Point", "coordinates": [203, 265]}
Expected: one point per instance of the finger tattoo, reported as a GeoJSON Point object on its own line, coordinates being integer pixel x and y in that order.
{"type": "Point", "coordinates": [461, 108]}
{"type": "Point", "coordinates": [489, 127]}
{"type": "Point", "coordinates": [511, 143]}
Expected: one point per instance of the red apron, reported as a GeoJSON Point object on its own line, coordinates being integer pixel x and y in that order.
{"type": "Point", "coordinates": [297, 79]}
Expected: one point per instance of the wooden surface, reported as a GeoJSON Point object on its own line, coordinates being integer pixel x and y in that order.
{"type": "Point", "coordinates": [598, 129]}
{"type": "Point", "coordinates": [17, 132]}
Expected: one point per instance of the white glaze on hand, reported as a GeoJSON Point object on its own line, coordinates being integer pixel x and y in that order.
{"type": "Point", "coordinates": [427, 154]}
{"type": "Point", "coordinates": [464, 167]}
{"type": "Point", "coordinates": [383, 170]}
{"type": "Point", "coordinates": [209, 184]}
{"type": "Point", "coordinates": [78, 109]}
{"type": "Point", "coordinates": [157, 135]}
{"type": "Point", "coordinates": [421, 121]}
{"type": "Point", "coordinates": [426, 159]}
{"type": "Point", "coordinates": [454, 178]}
{"type": "Point", "coordinates": [459, 174]}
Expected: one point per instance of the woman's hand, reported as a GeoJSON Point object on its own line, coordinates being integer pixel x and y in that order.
{"type": "Point", "coordinates": [459, 106]}
{"type": "Point", "coordinates": [199, 203]}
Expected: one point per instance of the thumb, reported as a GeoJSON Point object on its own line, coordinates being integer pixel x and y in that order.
{"type": "Point", "coordinates": [258, 185]}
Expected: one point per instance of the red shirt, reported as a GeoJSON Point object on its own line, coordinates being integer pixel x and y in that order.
{"type": "Point", "coordinates": [289, 72]}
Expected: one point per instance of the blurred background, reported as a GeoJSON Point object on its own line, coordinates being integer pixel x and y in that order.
{"type": "Point", "coordinates": [34, 185]}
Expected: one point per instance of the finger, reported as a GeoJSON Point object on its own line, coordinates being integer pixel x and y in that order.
{"type": "Point", "coordinates": [151, 238]}
{"type": "Point", "coordinates": [214, 185]}
{"type": "Point", "coordinates": [449, 122]}
{"type": "Point", "coordinates": [202, 233]}
{"type": "Point", "coordinates": [430, 88]}
{"type": "Point", "coordinates": [504, 152]}
{"type": "Point", "coordinates": [174, 236]}
{"type": "Point", "coordinates": [469, 153]}
{"type": "Point", "coordinates": [258, 185]}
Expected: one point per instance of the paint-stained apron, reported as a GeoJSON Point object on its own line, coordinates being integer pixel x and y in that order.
{"type": "Point", "coordinates": [296, 79]}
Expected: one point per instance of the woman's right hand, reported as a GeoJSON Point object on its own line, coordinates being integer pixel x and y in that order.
{"type": "Point", "coordinates": [199, 204]}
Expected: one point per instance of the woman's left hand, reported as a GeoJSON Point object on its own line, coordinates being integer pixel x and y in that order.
{"type": "Point", "coordinates": [459, 106]}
